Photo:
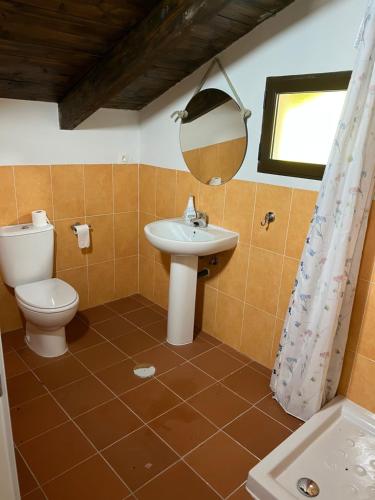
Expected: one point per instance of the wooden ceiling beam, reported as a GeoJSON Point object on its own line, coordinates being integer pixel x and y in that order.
{"type": "Point", "coordinates": [168, 22]}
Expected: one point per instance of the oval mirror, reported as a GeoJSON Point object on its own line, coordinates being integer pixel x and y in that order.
{"type": "Point", "coordinates": [213, 137]}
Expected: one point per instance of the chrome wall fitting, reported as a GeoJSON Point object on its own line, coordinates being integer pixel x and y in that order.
{"type": "Point", "coordinates": [268, 218]}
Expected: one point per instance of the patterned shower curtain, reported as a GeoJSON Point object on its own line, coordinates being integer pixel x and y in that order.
{"type": "Point", "coordinates": [312, 346]}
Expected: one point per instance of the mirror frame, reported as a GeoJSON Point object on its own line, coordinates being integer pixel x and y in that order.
{"type": "Point", "coordinates": [201, 111]}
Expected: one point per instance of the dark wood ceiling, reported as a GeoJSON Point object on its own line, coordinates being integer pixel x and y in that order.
{"type": "Point", "coordinates": [49, 49]}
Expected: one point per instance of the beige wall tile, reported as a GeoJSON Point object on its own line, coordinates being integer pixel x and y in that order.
{"type": "Point", "coordinates": [358, 313]}
{"type": "Point", "coordinates": [161, 289]}
{"type": "Point", "coordinates": [361, 388]}
{"type": "Point", "coordinates": [290, 267]}
{"type": "Point", "coordinates": [68, 254]}
{"type": "Point", "coordinates": [279, 325]}
{"type": "Point", "coordinates": [263, 279]}
{"type": "Point", "coordinates": [204, 262]}
{"type": "Point", "coordinates": [233, 272]}
{"type": "Point", "coordinates": [165, 193]}
{"type": "Point", "coordinates": [145, 248]}
{"type": "Point", "coordinates": [101, 283]}
{"type": "Point", "coordinates": [10, 316]}
{"type": "Point", "coordinates": [366, 344]}
{"type": "Point", "coordinates": [126, 234]}
{"type": "Point", "coordinates": [98, 189]}
{"type": "Point", "coordinates": [368, 255]}
{"type": "Point", "coordinates": [147, 189]}
{"type": "Point", "coordinates": [8, 207]}
{"type": "Point", "coordinates": [126, 276]}
{"type": "Point", "coordinates": [346, 372]}
{"type": "Point", "coordinates": [257, 335]}
{"type": "Point", "coordinates": [302, 209]}
{"type": "Point", "coordinates": [239, 208]}
{"type": "Point", "coordinates": [271, 199]}
{"type": "Point", "coordinates": [206, 308]}
{"type": "Point", "coordinates": [102, 244]}
{"type": "Point", "coordinates": [125, 178]}
{"type": "Point", "coordinates": [229, 315]}
{"type": "Point", "coordinates": [211, 200]}
{"type": "Point", "coordinates": [161, 256]}
{"type": "Point", "coordinates": [146, 277]}
{"type": "Point", "coordinates": [77, 278]}
{"type": "Point", "coordinates": [186, 185]}
{"type": "Point", "coordinates": [68, 191]}
{"type": "Point", "coordinates": [33, 191]}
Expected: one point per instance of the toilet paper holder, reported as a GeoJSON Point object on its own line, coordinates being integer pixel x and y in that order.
{"type": "Point", "coordinates": [74, 227]}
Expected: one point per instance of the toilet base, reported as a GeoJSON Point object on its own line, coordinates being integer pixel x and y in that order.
{"type": "Point", "coordinates": [46, 343]}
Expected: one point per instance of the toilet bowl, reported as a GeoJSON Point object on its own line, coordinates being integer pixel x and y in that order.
{"type": "Point", "coordinates": [47, 306]}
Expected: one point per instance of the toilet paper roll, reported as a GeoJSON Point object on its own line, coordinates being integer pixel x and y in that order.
{"type": "Point", "coordinates": [83, 235]}
{"type": "Point", "coordinates": [39, 218]}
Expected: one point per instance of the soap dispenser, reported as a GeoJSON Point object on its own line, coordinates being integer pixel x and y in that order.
{"type": "Point", "coordinates": [190, 212]}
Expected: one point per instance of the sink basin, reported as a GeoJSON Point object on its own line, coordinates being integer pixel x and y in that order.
{"type": "Point", "coordinates": [185, 244]}
{"type": "Point", "coordinates": [174, 236]}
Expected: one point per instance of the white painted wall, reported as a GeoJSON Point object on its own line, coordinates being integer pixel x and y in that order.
{"type": "Point", "coordinates": [221, 124]}
{"type": "Point", "coordinates": [309, 36]}
{"type": "Point", "coordinates": [30, 135]}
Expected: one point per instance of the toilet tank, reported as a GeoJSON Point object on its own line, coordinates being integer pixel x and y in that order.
{"type": "Point", "coordinates": [26, 253]}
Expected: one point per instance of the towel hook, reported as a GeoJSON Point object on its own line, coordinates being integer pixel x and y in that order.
{"type": "Point", "coordinates": [268, 218]}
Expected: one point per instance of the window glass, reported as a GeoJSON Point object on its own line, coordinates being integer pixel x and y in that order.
{"type": "Point", "coordinates": [305, 125]}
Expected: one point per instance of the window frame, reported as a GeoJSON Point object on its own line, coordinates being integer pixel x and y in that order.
{"type": "Point", "coordinates": [288, 84]}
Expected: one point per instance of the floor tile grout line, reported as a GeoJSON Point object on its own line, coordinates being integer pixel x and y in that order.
{"type": "Point", "coordinates": [22, 361]}
{"type": "Point", "coordinates": [119, 396]}
{"type": "Point", "coordinates": [85, 437]}
{"type": "Point", "coordinates": [30, 471]}
{"type": "Point", "coordinates": [155, 433]}
{"type": "Point", "coordinates": [185, 361]}
{"type": "Point", "coordinates": [236, 490]}
{"type": "Point", "coordinates": [218, 428]}
{"type": "Point", "coordinates": [232, 356]}
{"type": "Point", "coordinates": [91, 443]}
{"type": "Point", "coordinates": [216, 381]}
{"type": "Point", "coordinates": [273, 418]}
{"type": "Point", "coordinates": [151, 430]}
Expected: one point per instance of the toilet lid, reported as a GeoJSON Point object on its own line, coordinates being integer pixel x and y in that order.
{"type": "Point", "coordinates": [47, 294]}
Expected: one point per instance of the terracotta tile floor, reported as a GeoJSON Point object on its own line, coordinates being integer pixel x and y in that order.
{"type": "Point", "coordinates": [85, 428]}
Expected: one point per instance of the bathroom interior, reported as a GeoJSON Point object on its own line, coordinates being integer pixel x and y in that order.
{"type": "Point", "coordinates": [187, 306]}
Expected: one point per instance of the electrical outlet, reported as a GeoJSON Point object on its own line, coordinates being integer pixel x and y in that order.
{"type": "Point", "coordinates": [123, 158]}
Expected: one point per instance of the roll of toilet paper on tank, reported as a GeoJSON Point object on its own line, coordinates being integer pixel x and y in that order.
{"type": "Point", "coordinates": [83, 235]}
{"type": "Point", "coordinates": [39, 218]}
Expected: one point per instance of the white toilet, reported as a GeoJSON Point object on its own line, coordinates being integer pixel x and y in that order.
{"type": "Point", "coordinates": [48, 304]}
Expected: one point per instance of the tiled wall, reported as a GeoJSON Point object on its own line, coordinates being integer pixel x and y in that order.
{"type": "Point", "coordinates": [246, 297]}
{"type": "Point", "coordinates": [104, 196]}
{"type": "Point", "coordinates": [244, 300]}
{"type": "Point", "coordinates": [358, 377]}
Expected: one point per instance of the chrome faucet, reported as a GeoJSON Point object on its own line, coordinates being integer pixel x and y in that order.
{"type": "Point", "coordinates": [201, 220]}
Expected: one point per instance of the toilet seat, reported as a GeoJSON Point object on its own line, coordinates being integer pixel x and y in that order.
{"type": "Point", "coordinates": [47, 296]}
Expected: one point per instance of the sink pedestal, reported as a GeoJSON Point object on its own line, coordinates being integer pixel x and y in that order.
{"type": "Point", "coordinates": [182, 292]}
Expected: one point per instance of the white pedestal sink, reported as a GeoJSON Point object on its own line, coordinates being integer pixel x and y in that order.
{"type": "Point", "coordinates": [185, 243]}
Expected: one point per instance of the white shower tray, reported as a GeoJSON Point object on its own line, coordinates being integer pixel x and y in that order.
{"type": "Point", "coordinates": [335, 448]}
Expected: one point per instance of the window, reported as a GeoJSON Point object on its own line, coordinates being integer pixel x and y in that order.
{"type": "Point", "coordinates": [300, 117]}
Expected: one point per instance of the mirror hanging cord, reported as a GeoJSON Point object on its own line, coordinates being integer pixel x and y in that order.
{"type": "Point", "coordinates": [246, 113]}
